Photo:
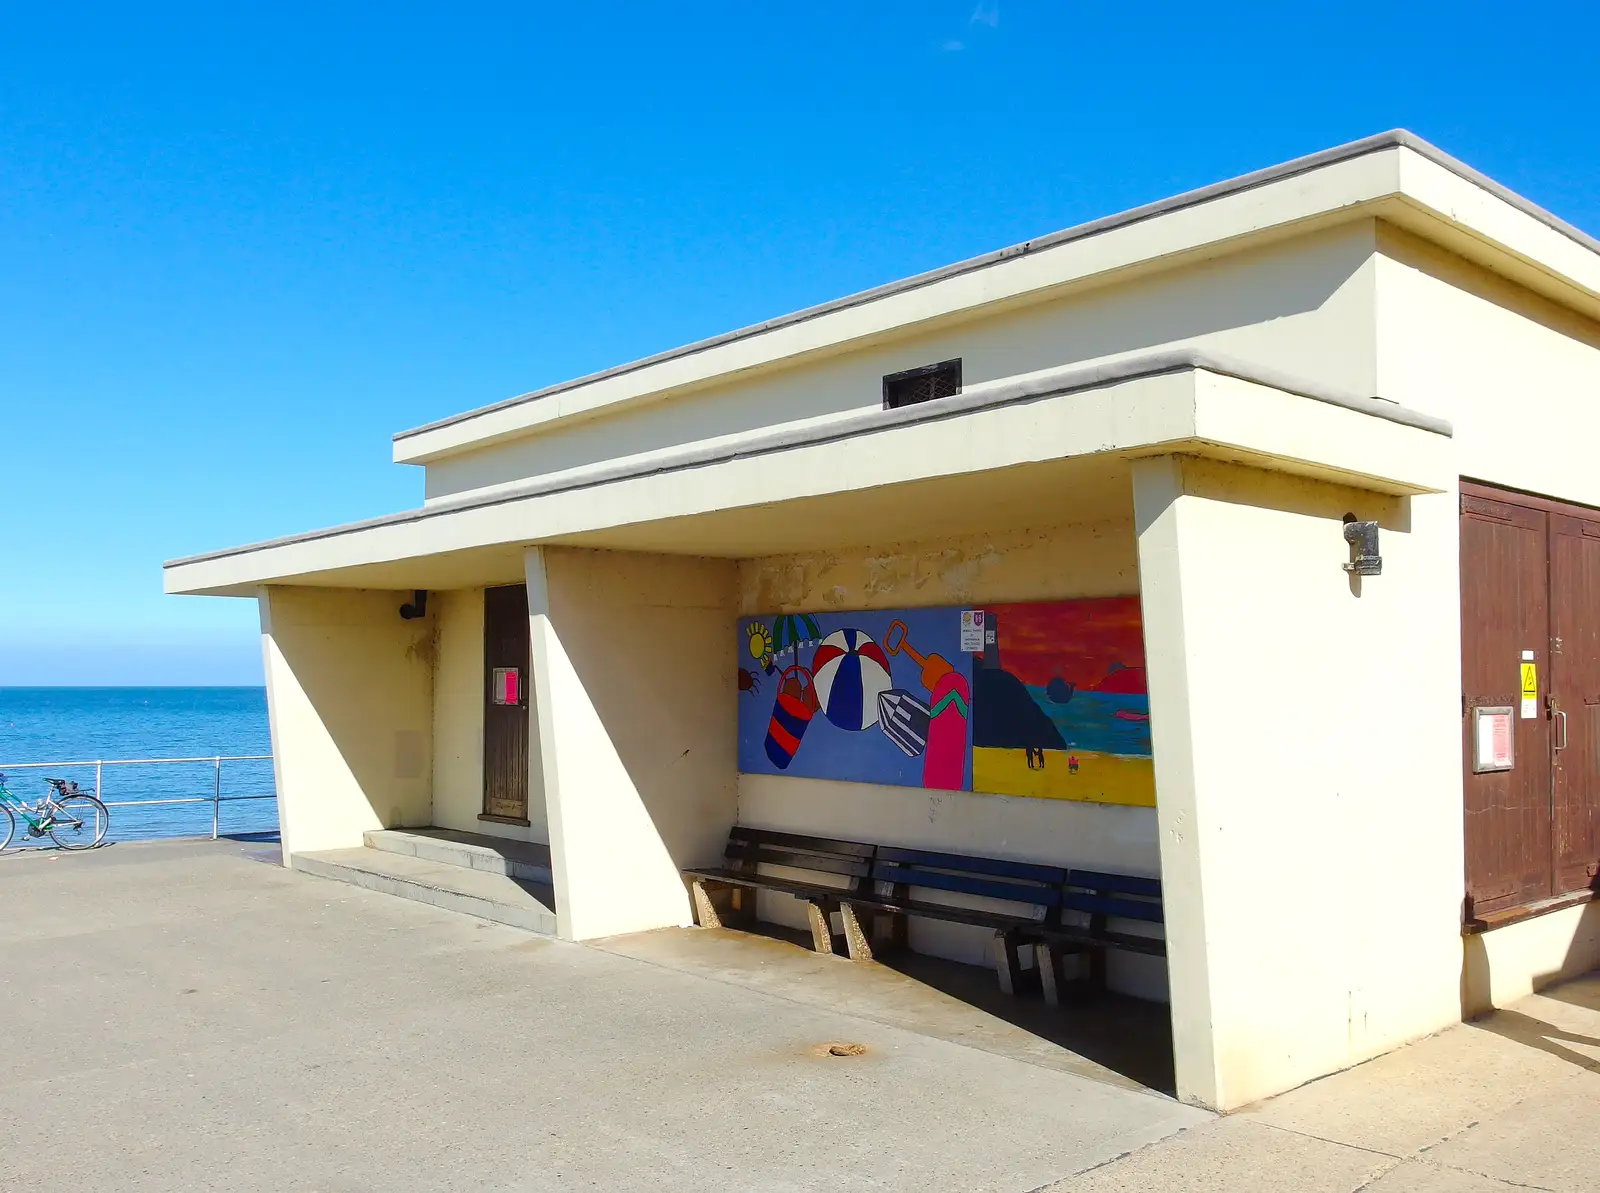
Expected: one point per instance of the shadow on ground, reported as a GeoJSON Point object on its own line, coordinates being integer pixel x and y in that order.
{"type": "Point", "coordinates": [1122, 1041]}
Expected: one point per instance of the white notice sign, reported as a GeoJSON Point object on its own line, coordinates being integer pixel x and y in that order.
{"type": "Point", "coordinates": [971, 631]}
{"type": "Point", "coordinates": [1493, 745]}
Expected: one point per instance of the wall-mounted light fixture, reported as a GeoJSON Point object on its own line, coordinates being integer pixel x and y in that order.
{"type": "Point", "coordinates": [1363, 539]}
{"type": "Point", "coordinates": [417, 606]}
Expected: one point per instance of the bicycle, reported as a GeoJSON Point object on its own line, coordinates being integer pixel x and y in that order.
{"type": "Point", "coordinates": [74, 819]}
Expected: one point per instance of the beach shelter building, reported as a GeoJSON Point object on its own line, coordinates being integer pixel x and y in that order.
{"type": "Point", "coordinates": [1249, 540]}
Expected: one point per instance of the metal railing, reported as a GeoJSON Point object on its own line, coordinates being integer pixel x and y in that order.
{"type": "Point", "coordinates": [216, 799]}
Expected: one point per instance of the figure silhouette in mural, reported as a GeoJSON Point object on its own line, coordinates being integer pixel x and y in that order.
{"type": "Point", "coordinates": [1004, 715]}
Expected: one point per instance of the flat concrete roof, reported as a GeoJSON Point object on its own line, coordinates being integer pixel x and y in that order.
{"type": "Point", "coordinates": [487, 423]}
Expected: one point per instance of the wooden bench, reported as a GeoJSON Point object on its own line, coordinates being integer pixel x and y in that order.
{"type": "Point", "coordinates": [877, 899]}
{"type": "Point", "coordinates": [1050, 894]}
{"type": "Point", "coordinates": [1096, 896]}
{"type": "Point", "coordinates": [749, 849]}
{"type": "Point", "coordinates": [886, 902]}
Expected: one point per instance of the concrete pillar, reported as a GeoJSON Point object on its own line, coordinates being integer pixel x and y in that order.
{"type": "Point", "coordinates": [634, 700]}
{"type": "Point", "coordinates": [1305, 727]}
{"type": "Point", "coordinates": [1157, 488]}
{"type": "Point", "coordinates": [350, 704]}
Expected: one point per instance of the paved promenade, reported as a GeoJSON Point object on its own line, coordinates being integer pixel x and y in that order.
{"type": "Point", "coordinates": [184, 1017]}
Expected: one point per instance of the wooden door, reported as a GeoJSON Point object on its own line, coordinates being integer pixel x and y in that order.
{"type": "Point", "coordinates": [1575, 698]}
{"type": "Point", "coordinates": [1504, 612]}
{"type": "Point", "coordinates": [505, 704]}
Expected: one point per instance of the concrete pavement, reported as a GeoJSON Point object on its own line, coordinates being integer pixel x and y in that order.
{"type": "Point", "coordinates": [199, 1020]}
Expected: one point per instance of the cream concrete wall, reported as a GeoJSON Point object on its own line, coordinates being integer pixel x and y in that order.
{"type": "Point", "coordinates": [349, 698]}
{"type": "Point", "coordinates": [458, 711]}
{"type": "Point", "coordinates": [1305, 728]}
{"type": "Point", "coordinates": [1514, 961]}
{"type": "Point", "coordinates": [458, 725]}
{"type": "Point", "coordinates": [1304, 307]}
{"type": "Point", "coordinates": [1047, 563]}
{"type": "Point", "coordinates": [1520, 379]}
{"type": "Point", "coordinates": [633, 667]}
{"type": "Point", "coordinates": [1517, 375]}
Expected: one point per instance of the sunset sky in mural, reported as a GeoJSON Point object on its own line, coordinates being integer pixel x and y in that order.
{"type": "Point", "coordinates": [1077, 640]}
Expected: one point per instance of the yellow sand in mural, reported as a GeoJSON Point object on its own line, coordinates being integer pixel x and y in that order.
{"type": "Point", "coordinates": [1099, 779]}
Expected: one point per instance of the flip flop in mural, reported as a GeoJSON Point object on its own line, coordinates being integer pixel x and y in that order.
{"type": "Point", "coordinates": [791, 714]}
{"type": "Point", "coordinates": [904, 720]}
{"type": "Point", "coordinates": [944, 760]}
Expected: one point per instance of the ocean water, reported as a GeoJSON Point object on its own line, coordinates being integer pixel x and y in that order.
{"type": "Point", "coordinates": [83, 724]}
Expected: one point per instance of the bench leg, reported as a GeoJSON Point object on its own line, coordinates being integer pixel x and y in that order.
{"type": "Point", "coordinates": [1007, 965]}
{"type": "Point", "coordinates": [705, 911]}
{"type": "Point", "coordinates": [855, 938]}
{"type": "Point", "coordinates": [744, 906]}
{"type": "Point", "coordinates": [1097, 970]}
{"type": "Point", "coordinates": [821, 929]}
{"type": "Point", "coordinates": [888, 932]}
{"type": "Point", "coordinates": [1048, 958]}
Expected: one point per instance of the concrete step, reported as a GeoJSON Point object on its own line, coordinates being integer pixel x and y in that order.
{"type": "Point", "coordinates": [489, 896]}
{"type": "Point", "coordinates": [526, 860]}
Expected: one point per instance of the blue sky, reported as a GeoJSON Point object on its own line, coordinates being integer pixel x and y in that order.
{"type": "Point", "coordinates": [241, 244]}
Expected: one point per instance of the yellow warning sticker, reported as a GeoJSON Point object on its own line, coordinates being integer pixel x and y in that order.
{"type": "Point", "coordinates": [1530, 691]}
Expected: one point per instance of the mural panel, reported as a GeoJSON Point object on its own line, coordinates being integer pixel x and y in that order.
{"type": "Point", "coordinates": [1043, 699]}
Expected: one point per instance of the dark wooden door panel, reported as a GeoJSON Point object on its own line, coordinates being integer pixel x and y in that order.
{"type": "Point", "coordinates": [1575, 698]}
{"type": "Point", "coordinates": [505, 721]}
{"type": "Point", "coordinates": [1505, 611]}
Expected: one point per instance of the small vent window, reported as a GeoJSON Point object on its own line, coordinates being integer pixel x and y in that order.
{"type": "Point", "coordinates": [942, 380]}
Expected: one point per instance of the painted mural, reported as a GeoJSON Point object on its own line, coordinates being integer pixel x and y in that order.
{"type": "Point", "coordinates": [1043, 699]}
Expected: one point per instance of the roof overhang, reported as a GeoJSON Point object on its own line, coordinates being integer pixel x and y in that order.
{"type": "Point", "coordinates": [1036, 450]}
{"type": "Point", "coordinates": [1394, 177]}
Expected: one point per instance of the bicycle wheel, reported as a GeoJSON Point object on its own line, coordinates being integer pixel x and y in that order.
{"type": "Point", "coordinates": [79, 822]}
{"type": "Point", "coordinates": [8, 826]}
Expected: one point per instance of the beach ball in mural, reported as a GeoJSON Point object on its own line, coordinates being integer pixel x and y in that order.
{"type": "Point", "coordinates": [850, 671]}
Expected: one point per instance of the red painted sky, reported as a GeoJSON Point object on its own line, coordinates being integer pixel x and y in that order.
{"type": "Point", "coordinates": [1077, 640]}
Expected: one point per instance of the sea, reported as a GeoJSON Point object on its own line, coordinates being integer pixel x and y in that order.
{"type": "Point", "coordinates": [73, 727]}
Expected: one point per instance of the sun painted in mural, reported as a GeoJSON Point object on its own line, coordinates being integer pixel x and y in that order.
{"type": "Point", "coordinates": [1045, 700]}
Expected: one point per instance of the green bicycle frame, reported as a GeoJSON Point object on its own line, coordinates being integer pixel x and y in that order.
{"type": "Point", "coordinates": [26, 811]}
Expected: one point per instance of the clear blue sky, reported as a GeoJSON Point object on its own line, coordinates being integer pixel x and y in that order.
{"type": "Point", "coordinates": [243, 244]}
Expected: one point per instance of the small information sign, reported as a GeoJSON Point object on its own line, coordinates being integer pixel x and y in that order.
{"type": "Point", "coordinates": [1493, 739]}
{"type": "Point", "coordinates": [971, 631]}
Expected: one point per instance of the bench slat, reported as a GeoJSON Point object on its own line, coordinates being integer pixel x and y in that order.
{"type": "Point", "coordinates": [1152, 946]}
{"type": "Point", "coordinates": [767, 882]}
{"type": "Point", "coordinates": [824, 845]}
{"type": "Point", "coordinates": [851, 867]}
{"type": "Point", "coordinates": [1030, 871]}
{"type": "Point", "coordinates": [998, 920]}
{"type": "Point", "coordinates": [1127, 884]}
{"type": "Point", "coordinates": [1015, 892]}
{"type": "Point", "coordinates": [1122, 909]}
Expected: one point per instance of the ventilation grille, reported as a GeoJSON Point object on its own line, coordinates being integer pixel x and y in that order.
{"type": "Point", "coordinates": [942, 380]}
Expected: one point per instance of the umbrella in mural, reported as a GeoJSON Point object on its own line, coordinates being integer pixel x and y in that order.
{"type": "Point", "coordinates": [792, 631]}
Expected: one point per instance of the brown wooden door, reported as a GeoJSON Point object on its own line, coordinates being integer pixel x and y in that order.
{"type": "Point", "coordinates": [1505, 611]}
{"type": "Point", "coordinates": [1575, 697]}
{"type": "Point", "coordinates": [505, 703]}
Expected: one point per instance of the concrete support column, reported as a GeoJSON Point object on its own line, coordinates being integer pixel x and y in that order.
{"type": "Point", "coordinates": [1305, 727]}
{"type": "Point", "coordinates": [350, 703]}
{"type": "Point", "coordinates": [1157, 489]}
{"type": "Point", "coordinates": [634, 701]}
